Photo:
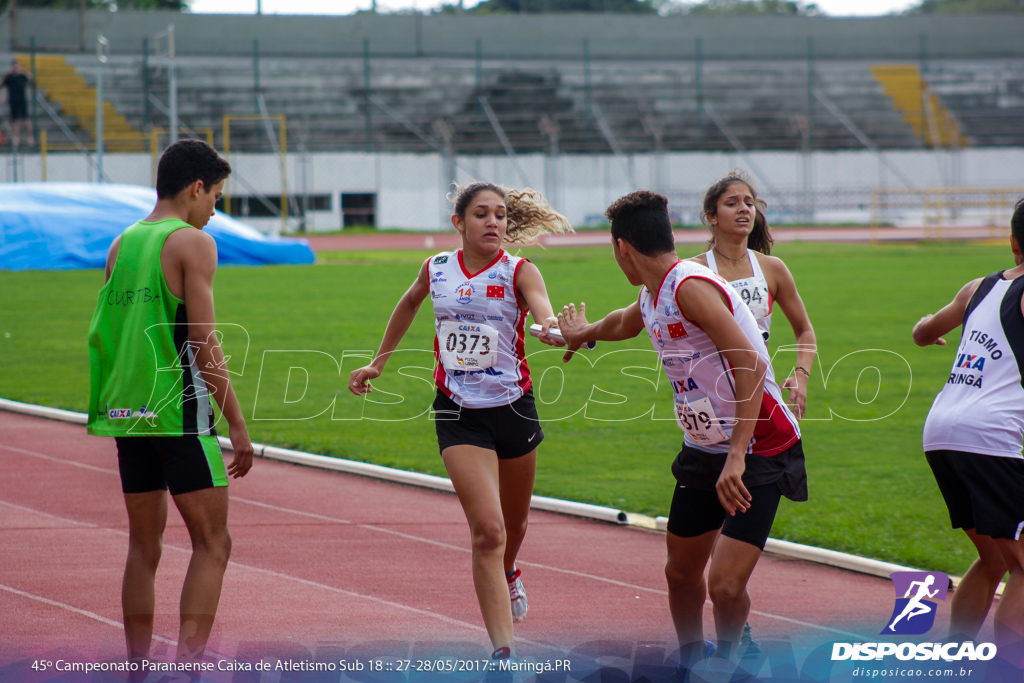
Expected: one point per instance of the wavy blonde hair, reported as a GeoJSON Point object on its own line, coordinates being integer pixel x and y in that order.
{"type": "Point", "coordinates": [528, 213]}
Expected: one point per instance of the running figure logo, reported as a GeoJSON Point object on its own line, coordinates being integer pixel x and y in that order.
{"type": "Point", "coordinates": [914, 612]}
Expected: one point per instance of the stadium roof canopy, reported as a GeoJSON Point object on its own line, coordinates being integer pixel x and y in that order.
{"type": "Point", "coordinates": [63, 226]}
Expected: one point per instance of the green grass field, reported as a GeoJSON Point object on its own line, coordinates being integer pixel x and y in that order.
{"type": "Point", "coordinates": [610, 434]}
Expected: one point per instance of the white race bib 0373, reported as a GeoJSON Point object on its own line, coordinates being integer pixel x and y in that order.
{"type": "Point", "coordinates": [466, 345]}
{"type": "Point", "coordinates": [698, 419]}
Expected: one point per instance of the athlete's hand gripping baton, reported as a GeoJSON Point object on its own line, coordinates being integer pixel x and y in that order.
{"type": "Point", "coordinates": [555, 334]}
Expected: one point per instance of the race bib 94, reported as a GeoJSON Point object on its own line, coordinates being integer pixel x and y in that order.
{"type": "Point", "coordinates": [754, 296]}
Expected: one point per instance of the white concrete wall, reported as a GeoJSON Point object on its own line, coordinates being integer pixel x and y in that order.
{"type": "Point", "coordinates": [411, 187]}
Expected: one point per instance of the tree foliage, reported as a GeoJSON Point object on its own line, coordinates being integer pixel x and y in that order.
{"type": "Point", "coordinates": [789, 8]}
{"type": "Point", "coordinates": [545, 6]}
{"type": "Point", "coordinates": [663, 7]}
{"type": "Point", "coordinates": [968, 7]}
{"type": "Point", "coordinates": [179, 5]}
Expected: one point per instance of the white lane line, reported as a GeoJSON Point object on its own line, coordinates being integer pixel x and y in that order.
{"type": "Point", "coordinates": [269, 572]}
{"type": "Point", "coordinates": [631, 586]}
{"type": "Point", "coordinates": [337, 520]}
{"type": "Point", "coordinates": [40, 513]}
{"type": "Point", "coordinates": [77, 610]}
{"type": "Point", "coordinates": [808, 624]}
{"type": "Point", "coordinates": [570, 572]}
{"type": "Point", "coordinates": [371, 527]}
{"type": "Point", "coordinates": [51, 458]}
{"type": "Point", "coordinates": [450, 546]}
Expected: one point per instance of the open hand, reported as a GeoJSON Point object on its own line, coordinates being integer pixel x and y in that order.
{"type": "Point", "coordinates": [571, 323]}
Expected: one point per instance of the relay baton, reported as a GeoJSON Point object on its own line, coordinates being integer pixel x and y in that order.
{"type": "Point", "coordinates": [555, 334]}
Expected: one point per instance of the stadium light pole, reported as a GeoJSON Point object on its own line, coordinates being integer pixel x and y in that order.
{"type": "Point", "coordinates": [81, 24]}
{"type": "Point", "coordinates": [102, 49]}
{"type": "Point", "coordinates": [172, 85]}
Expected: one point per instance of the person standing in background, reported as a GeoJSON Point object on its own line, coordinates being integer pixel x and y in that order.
{"type": "Point", "coordinates": [12, 89]}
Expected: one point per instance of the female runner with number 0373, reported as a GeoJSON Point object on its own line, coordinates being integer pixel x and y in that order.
{"type": "Point", "coordinates": [486, 421]}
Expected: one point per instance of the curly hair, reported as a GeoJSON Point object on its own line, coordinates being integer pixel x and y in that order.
{"type": "Point", "coordinates": [529, 215]}
{"type": "Point", "coordinates": [760, 239]}
{"type": "Point", "coordinates": [641, 218]}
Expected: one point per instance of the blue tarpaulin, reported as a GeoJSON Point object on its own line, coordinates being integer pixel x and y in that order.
{"type": "Point", "coordinates": [61, 226]}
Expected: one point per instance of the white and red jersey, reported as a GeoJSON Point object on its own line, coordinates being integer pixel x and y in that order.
{"type": "Point", "coordinates": [478, 324]}
{"type": "Point", "coordinates": [702, 379]}
{"type": "Point", "coordinates": [981, 406]}
{"type": "Point", "coordinates": [753, 291]}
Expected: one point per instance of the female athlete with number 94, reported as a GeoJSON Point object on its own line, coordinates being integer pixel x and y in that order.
{"type": "Point", "coordinates": [486, 421]}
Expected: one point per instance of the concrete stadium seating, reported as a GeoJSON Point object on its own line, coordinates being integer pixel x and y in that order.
{"type": "Point", "coordinates": [764, 105]}
{"type": "Point", "coordinates": [642, 89]}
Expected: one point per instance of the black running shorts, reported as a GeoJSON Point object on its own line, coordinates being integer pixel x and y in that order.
{"type": "Point", "coordinates": [982, 492]}
{"type": "Point", "coordinates": [511, 431]}
{"type": "Point", "coordinates": [180, 463]}
{"type": "Point", "coordinates": [698, 511]}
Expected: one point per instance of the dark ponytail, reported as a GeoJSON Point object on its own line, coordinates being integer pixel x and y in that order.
{"type": "Point", "coordinates": [760, 238]}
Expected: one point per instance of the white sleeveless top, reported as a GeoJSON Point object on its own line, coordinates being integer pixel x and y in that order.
{"type": "Point", "coordinates": [981, 407]}
{"type": "Point", "coordinates": [705, 394]}
{"type": "Point", "coordinates": [753, 291]}
{"type": "Point", "coordinates": [478, 343]}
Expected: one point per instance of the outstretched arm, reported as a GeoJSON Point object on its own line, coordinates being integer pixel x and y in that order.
{"type": "Point", "coordinates": [931, 328]}
{"type": "Point", "coordinates": [398, 325]}
{"type": "Point", "coordinates": [625, 323]}
{"type": "Point", "coordinates": [531, 289]}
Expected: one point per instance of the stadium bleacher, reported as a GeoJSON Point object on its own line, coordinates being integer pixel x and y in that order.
{"type": "Point", "coordinates": [764, 105]}
{"type": "Point", "coordinates": [599, 104]}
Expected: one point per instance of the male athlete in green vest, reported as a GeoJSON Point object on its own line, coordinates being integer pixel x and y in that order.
{"type": "Point", "coordinates": [155, 361]}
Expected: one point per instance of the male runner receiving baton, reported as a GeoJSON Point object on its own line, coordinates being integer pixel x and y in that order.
{"type": "Point", "coordinates": [155, 361]}
{"type": "Point", "coordinates": [741, 450]}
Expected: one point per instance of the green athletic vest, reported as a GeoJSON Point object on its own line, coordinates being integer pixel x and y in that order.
{"type": "Point", "coordinates": [144, 377]}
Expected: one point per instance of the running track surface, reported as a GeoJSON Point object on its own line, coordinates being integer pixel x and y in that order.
{"type": "Point", "coordinates": [450, 240]}
{"type": "Point", "coordinates": [323, 559]}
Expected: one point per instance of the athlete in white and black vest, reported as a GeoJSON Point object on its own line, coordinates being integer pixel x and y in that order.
{"type": "Point", "coordinates": [973, 439]}
{"type": "Point", "coordinates": [486, 421]}
{"type": "Point", "coordinates": [741, 448]}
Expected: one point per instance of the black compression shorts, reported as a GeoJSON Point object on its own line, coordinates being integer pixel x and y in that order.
{"type": "Point", "coordinates": [511, 431]}
{"type": "Point", "coordinates": [697, 511]}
